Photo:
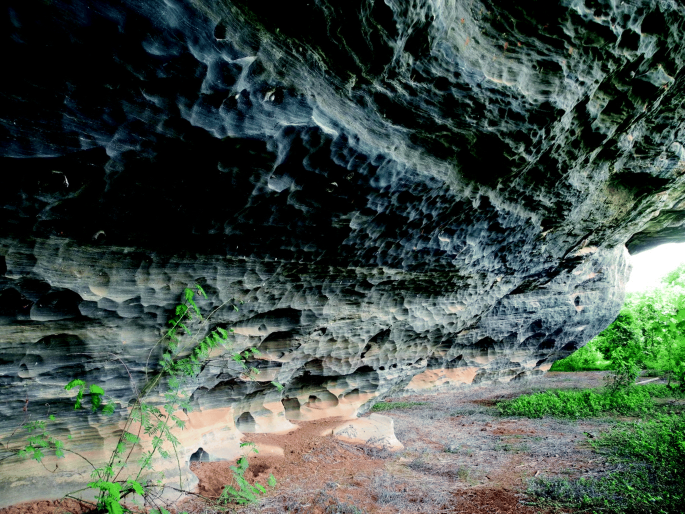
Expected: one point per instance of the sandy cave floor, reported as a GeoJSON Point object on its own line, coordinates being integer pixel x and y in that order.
{"type": "Point", "coordinates": [460, 456]}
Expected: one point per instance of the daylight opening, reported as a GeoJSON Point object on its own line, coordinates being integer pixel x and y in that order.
{"type": "Point", "coordinates": [647, 339]}
{"type": "Point", "coordinates": [650, 266]}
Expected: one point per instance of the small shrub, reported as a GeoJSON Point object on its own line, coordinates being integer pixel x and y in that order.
{"type": "Point", "coordinates": [651, 459]}
{"type": "Point", "coordinates": [625, 373]}
{"type": "Point", "coordinates": [662, 391]}
{"type": "Point", "coordinates": [578, 404]}
{"type": "Point", "coordinates": [242, 492]}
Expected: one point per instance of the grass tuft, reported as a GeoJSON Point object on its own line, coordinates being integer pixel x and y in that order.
{"type": "Point", "coordinates": [578, 404]}
{"type": "Point", "coordinates": [650, 460]}
{"type": "Point", "coordinates": [383, 406]}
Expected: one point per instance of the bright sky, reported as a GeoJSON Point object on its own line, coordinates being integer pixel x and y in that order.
{"type": "Point", "coordinates": [651, 265]}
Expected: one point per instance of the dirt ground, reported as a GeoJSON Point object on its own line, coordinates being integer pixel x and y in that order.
{"type": "Point", "coordinates": [460, 456]}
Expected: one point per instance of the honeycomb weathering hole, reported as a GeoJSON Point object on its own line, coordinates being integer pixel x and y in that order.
{"type": "Point", "coordinates": [200, 456]}
{"type": "Point", "coordinates": [291, 404]}
{"type": "Point", "coordinates": [246, 423]}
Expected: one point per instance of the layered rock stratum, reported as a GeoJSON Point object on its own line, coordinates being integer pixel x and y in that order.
{"type": "Point", "coordinates": [403, 195]}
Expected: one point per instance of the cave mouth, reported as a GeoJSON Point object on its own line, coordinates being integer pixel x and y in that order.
{"type": "Point", "coordinates": [200, 456]}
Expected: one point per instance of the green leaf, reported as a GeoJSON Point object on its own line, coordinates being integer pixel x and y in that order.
{"type": "Point", "coordinates": [137, 488]}
{"type": "Point", "coordinates": [195, 308]}
{"type": "Point", "coordinates": [95, 389]}
{"type": "Point", "coordinates": [74, 383]}
{"type": "Point", "coordinates": [79, 397]}
{"type": "Point", "coordinates": [201, 291]}
{"type": "Point", "coordinates": [52, 417]}
{"type": "Point", "coordinates": [108, 409]}
{"type": "Point", "coordinates": [131, 438]}
{"type": "Point", "coordinates": [271, 481]}
{"type": "Point", "coordinates": [96, 401]}
{"type": "Point", "coordinates": [114, 507]}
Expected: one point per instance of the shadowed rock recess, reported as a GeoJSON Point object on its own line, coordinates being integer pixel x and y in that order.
{"type": "Point", "coordinates": [404, 194]}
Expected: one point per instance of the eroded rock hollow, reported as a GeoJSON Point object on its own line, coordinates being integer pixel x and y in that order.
{"type": "Point", "coordinates": [403, 195]}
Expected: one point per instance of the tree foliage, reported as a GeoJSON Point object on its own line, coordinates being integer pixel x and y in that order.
{"type": "Point", "coordinates": [649, 333]}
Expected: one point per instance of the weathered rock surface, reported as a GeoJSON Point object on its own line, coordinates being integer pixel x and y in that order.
{"type": "Point", "coordinates": [425, 195]}
{"type": "Point", "coordinates": [377, 431]}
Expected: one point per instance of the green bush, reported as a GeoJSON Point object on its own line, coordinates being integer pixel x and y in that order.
{"type": "Point", "coordinates": [662, 391]}
{"type": "Point", "coordinates": [579, 404]}
{"type": "Point", "coordinates": [650, 456]}
{"type": "Point", "coordinates": [587, 358]}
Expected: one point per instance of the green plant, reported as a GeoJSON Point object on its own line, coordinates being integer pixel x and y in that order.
{"type": "Point", "coordinates": [650, 460]}
{"type": "Point", "coordinates": [184, 352]}
{"type": "Point", "coordinates": [587, 358]}
{"type": "Point", "coordinates": [662, 391]}
{"type": "Point", "coordinates": [578, 403]}
{"type": "Point", "coordinates": [39, 439]}
{"type": "Point", "coordinates": [625, 373]}
{"type": "Point", "coordinates": [242, 492]}
{"type": "Point", "coordinates": [382, 406]}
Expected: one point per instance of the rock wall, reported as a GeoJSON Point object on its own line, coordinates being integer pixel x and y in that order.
{"type": "Point", "coordinates": [416, 195]}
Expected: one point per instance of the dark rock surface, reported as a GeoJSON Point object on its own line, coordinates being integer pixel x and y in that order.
{"type": "Point", "coordinates": [393, 189]}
